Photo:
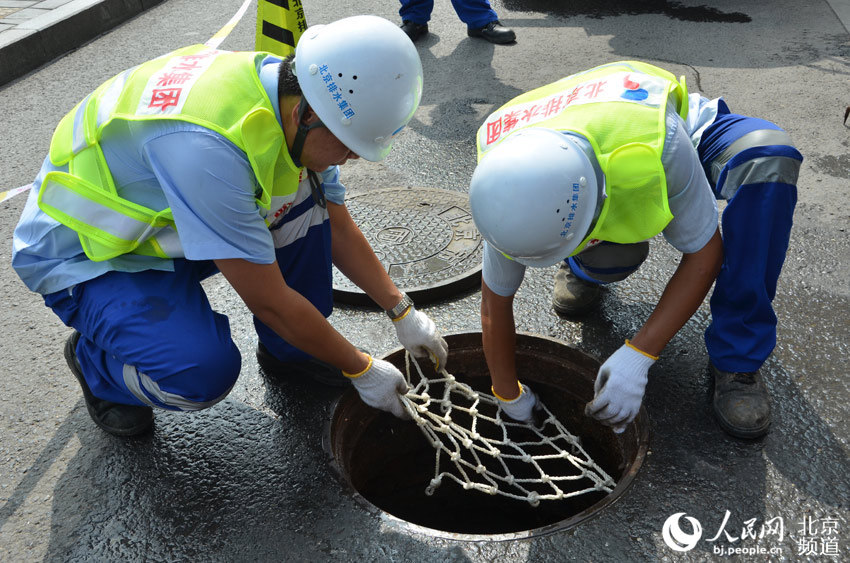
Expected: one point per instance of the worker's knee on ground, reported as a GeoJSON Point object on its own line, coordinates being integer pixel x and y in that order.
{"type": "Point", "coordinates": [214, 373]}
{"type": "Point", "coordinates": [609, 262]}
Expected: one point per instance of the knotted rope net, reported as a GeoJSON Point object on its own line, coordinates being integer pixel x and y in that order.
{"type": "Point", "coordinates": [482, 449]}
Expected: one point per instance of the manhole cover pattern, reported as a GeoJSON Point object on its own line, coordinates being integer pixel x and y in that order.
{"type": "Point", "coordinates": [424, 237]}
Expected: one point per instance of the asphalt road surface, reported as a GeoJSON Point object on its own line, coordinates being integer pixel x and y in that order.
{"type": "Point", "coordinates": [249, 479]}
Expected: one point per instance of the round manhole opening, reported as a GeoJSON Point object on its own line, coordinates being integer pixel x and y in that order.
{"type": "Point", "coordinates": [390, 464]}
{"type": "Point", "coordinates": [424, 238]}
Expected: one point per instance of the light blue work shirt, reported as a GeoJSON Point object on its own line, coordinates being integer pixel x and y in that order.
{"type": "Point", "coordinates": [205, 179]}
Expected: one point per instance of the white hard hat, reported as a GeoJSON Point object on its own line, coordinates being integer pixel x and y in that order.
{"type": "Point", "coordinates": [533, 196]}
{"type": "Point", "coordinates": [363, 78]}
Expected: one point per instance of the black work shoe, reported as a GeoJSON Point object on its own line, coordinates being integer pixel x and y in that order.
{"type": "Point", "coordinates": [115, 418]}
{"type": "Point", "coordinates": [741, 403]}
{"type": "Point", "coordinates": [307, 370]}
{"type": "Point", "coordinates": [494, 32]}
{"type": "Point", "coordinates": [571, 295]}
{"type": "Point", "coordinates": [414, 30]}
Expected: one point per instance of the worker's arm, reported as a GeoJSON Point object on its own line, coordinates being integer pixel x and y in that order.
{"type": "Point", "coordinates": [499, 338]}
{"type": "Point", "coordinates": [683, 295]}
{"type": "Point", "coordinates": [498, 333]}
{"type": "Point", "coordinates": [355, 258]}
{"type": "Point", "coordinates": [289, 314]}
{"type": "Point", "coordinates": [622, 379]}
{"type": "Point", "coordinates": [296, 320]}
{"type": "Point", "coordinates": [694, 210]}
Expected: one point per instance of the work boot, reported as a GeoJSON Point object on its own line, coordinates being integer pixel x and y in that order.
{"type": "Point", "coordinates": [572, 296]}
{"type": "Point", "coordinates": [115, 418]}
{"type": "Point", "coordinates": [741, 403]}
{"type": "Point", "coordinates": [494, 32]}
{"type": "Point", "coordinates": [306, 370]}
{"type": "Point", "coordinates": [414, 30]}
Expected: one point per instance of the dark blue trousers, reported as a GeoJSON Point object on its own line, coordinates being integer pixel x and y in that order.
{"type": "Point", "coordinates": [758, 178]}
{"type": "Point", "coordinates": [474, 13]}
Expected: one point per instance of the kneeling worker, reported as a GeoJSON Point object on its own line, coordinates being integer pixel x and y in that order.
{"type": "Point", "coordinates": [583, 172]}
{"type": "Point", "coordinates": [206, 161]}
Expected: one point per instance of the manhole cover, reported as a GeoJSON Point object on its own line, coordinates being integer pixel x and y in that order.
{"type": "Point", "coordinates": [389, 463]}
{"type": "Point", "coordinates": [424, 237]}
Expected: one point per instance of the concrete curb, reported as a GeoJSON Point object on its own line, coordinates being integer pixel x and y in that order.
{"type": "Point", "coordinates": [39, 40]}
{"type": "Point", "coordinates": [842, 10]}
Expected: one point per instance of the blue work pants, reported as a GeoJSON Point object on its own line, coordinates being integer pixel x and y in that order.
{"type": "Point", "coordinates": [474, 13]}
{"type": "Point", "coordinates": [152, 337]}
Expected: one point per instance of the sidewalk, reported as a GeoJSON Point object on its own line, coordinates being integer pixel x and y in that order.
{"type": "Point", "coordinates": [34, 32]}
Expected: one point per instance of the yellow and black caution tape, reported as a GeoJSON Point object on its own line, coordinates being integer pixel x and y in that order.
{"type": "Point", "coordinates": [280, 24]}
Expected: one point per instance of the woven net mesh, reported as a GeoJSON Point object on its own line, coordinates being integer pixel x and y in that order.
{"type": "Point", "coordinates": [482, 449]}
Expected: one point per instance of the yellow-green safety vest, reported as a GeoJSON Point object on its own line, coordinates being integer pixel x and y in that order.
{"type": "Point", "coordinates": [219, 90]}
{"type": "Point", "coordinates": [620, 108]}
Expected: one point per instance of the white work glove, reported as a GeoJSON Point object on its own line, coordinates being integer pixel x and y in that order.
{"type": "Point", "coordinates": [418, 334]}
{"type": "Point", "coordinates": [522, 408]}
{"type": "Point", "coordinates": [380, 385]}
{"type": "Point", "coordinates": [619, 387]}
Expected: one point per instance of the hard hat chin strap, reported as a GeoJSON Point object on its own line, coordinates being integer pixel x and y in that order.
{"type": "Point", "coordinates": [301, 133]}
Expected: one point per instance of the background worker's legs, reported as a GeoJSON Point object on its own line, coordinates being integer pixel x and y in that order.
{"type": "Point", "coordinates": [751, 163]}
{"type": "Point", "coordinates": [474, 13]}
{"type": "Point", "coordinates": [417, 11]}
{"type": "Point", "coordinates": [151, 338]}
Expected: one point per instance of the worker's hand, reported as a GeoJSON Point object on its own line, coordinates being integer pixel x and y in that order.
{"type": "Point", "coordinates": [619, 388]}
{"type": "Point", "coordinates": [380, 385]}
{"type": "Point", "coordinates": [418, 334]}
{"type": "Point", "coordinates": [523, 408]}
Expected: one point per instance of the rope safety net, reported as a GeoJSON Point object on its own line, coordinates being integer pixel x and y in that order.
{"type": "Point", "coordinates": [482, 449]}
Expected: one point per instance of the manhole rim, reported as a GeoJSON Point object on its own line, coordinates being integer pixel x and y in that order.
{"type": "Point", "coordinates": [585, 515]}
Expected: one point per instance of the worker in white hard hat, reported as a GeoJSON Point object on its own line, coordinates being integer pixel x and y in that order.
{"type": "Point", "coordinates": [205, 161]}
{"type": "Point", "coordinates": [582, 173]}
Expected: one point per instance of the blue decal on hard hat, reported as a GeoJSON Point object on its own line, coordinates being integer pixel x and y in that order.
{"type": "Point", "coordinates": [335, 92]}
{"type": "Point", "coordinates": [571, 216]}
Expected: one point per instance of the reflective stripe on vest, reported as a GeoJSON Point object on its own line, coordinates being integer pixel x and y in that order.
{"type": "Point", "coordinates": [620, 108]}
{"type": "Point", "coordinates": [113, 225]}
{"type": "Point", "coordinates": [186, 86]}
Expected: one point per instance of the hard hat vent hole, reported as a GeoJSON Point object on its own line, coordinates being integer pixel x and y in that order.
{"type": "Point", "coordinates": [351, 91]}
{"type": "Point", "coordinates": [354, 77]}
